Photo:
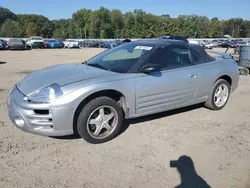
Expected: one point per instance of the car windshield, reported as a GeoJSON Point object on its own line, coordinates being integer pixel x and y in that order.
{"type": "Point", "coordinates": [15, 41]}
{"type": "Point", "coordinates": [52, 41]}
{"type": "Point", "coordinates": [120, 59]}
{"type": "Point", "coordinates": [71, 41]}
{"type": "Point", "coordinates": [36, 38]}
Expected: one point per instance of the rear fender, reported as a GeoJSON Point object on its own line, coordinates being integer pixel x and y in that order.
{"type": "Point", "coordinates": [221, 54]}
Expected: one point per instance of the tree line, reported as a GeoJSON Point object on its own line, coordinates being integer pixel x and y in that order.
{"type": "Point", "coordinates": [104, 23]}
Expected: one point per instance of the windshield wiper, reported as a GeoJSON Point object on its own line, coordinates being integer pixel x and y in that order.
{"type": "Point", "coordinates": [97, 66]}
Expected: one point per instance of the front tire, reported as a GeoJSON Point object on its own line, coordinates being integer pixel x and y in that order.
{"type": "Point", "coordinates": [219, 96]}
{"type": "Point", "coordinates": [100, 120]}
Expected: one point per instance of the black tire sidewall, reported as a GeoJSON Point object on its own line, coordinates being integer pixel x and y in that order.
{"type": "Point", "coordinates": [216, 85]}
{"type": "Point", "coordinates": [88, 109]}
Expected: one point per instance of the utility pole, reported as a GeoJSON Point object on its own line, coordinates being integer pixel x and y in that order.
{"type": "Point", "coordinates": [85, 32]}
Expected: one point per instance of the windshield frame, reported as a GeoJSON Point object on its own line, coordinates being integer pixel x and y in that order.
{"type": "Point", "coordinates": [135, 67]}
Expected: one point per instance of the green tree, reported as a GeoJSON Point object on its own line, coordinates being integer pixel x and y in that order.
{"type": "Point", "coordinates": [94, 25]}
{"type": "Point", "coordinates": [72, 29]}
{"type": "Point", "coordinates": [234, 27]}
{"type": "Point", "coordinates": [44, 26]}
{"type": "Point", "coordinates": [104, 23]}
{"type": "Point", "coordinates": [215, 28]}
{"type": "Point", "coordinates": [103, 34]}
{"type": "Point", "coordinates": [129, 25]}
{"type": "Point", "coordinates": [6, 14]}
{"type": "Point", "coordinates": [165, 16]}
{"type": "Point", "coordinates": [11, 28]}
{"type": "Point", "coordinates": [61, 28]}
{"type": "Point", "coordinates": [246, 30]}
{"type": "Point", "coordinates": [31, 29]}
{"type": "Point", "coordinates": [81, 20]}
{"type": "Point", "coordinates": [117, 22]}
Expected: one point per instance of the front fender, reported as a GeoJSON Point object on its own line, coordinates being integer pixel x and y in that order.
{"type": "Point", "coordinates": [75, 97]}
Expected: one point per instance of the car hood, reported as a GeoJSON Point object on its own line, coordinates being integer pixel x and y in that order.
{"type": "Point", "coordinates": [60, 74]}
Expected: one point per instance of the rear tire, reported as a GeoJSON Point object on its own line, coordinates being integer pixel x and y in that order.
{"type": "Point", "coordinates": [218, 100]}
{"type": "Point", "coordinates": [100, 130]}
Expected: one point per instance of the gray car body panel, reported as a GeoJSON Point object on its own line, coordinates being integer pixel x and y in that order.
{"type": "Point", "coordinates": [144, 93]}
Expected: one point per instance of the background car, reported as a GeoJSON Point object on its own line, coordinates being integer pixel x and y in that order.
{"type": "Point", "coordinates": [227, 44]}
{"type": "Point", "coordinates": [4, 44]}
{"type": "Point", "coordinates": [83, 44]}
{"type": "Point", "coordinates": [18, 44]}
{"type": "Point", "coordinates": [90, 44]}
{"type": "Point", "coordinates": [175, 38]}
{"type": "Point", "coordinates": [51, 43]}
{"type": "Point", "coordinates": [61, 40]}
{"type": "Point", "coordinates": [118, 42]}
{"type": "Point", "coordinates": [110, 44]}
{"type": "Point", "coordinates": [126, 41]}
{"type": "Point", "coordinates": [70, 43]}
{"type": "Point", "coordinates": [1, 45]}
{"type": "Point", "coordinates": [210, 45]}
{"type": "Point", "coordinates": [36, 42]}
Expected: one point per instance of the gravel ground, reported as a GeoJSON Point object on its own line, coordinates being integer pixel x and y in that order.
{"type": "Point", "coordinates": [218, 143]}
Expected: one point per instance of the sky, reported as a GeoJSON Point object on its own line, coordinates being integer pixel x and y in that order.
{"type": "Point", "coordinates": [56, 9]}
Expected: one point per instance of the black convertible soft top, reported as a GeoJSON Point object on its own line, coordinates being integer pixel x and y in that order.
{"type": "Point", "coordinates": [163, 43]}
{"type": "Point", "coordinates": [201, 51]}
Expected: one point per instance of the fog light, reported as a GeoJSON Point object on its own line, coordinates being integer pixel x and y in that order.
{"type": "Point", "coordinates": [19, 121]}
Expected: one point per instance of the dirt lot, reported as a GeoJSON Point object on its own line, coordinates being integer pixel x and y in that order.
{"type": "Point", "coordinates": [217, 142]}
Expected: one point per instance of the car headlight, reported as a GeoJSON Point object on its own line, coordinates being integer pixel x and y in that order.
{"type": "Point", "coordinates": [45, 95]}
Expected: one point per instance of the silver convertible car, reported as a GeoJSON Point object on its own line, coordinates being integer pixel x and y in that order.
{"type": "Point", "coordinates": [132, 80]}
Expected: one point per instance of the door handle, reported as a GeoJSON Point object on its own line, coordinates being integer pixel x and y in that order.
{"type": "Point", "coordinates": [192, 75]}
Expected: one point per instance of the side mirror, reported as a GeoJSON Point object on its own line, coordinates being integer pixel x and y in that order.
{"type": "Point", "coordinates": [149, 68]}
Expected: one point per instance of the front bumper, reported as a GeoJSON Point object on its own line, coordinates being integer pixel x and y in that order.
{"type": "Point", "coordinates": [54, 46]}
{"type": "Point", "coordinates": [18, 47]}
{"type": "Point", "coordinates": [37, 45]}
{"type": "Point", "coordinates": [39, 119]}
{"type": "Point", "coordinates": [73, 46]}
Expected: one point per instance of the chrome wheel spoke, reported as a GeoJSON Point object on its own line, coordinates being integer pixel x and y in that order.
{"type": "Point", "coordinates": [107, 126]}
{"type": "Point", "coordinates": [219, 92]}
{"type": "Point", "coordinates": [101, 113]}
{"type": "Point", "coordinates": [98, 130]}
{"type": "Point", "coordinates": [109, 116]}
{"type": "Point", "coordinates": [95, 122]}
{"type": "Point", "coordinates": [225, 92]}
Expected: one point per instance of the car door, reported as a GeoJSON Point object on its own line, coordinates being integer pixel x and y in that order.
{"type": "Point", "coordinates": [207, 72]}
{"type": "Point", "coordinates": [174, 86]}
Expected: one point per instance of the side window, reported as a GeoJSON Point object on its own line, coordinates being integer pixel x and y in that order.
{"type": "Point", "coordinates": [196, 58]}
{"type": "Point", "coordinates": [173, 57]}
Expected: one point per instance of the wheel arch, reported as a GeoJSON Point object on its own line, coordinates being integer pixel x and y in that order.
{"type": "Point", "coordinates": [225, 77]}
{"type": "Point", "coordinates": [113, 94]}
